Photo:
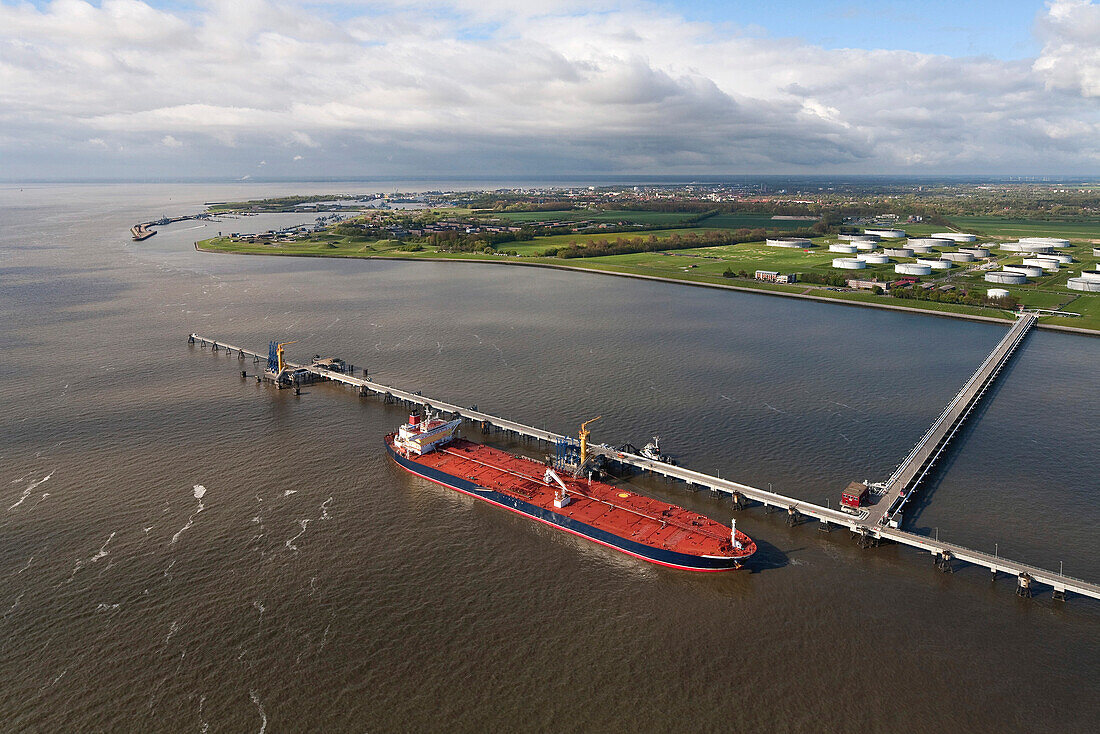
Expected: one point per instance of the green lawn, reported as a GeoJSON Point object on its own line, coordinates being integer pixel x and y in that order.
{"type": "Point", "coordinates": [1013, 228]}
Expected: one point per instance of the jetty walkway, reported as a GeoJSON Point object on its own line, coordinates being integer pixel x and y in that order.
{"type": "Point", "coordinates": [870, 525]}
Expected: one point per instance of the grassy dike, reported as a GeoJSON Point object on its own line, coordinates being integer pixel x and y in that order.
{"type": "Point", "coordinates": [657, 266]}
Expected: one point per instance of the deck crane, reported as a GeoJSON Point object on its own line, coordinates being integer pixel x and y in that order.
{"type": "Point", "coordinates": [275, 362]}
{"type": "Point", "coordinates": [584, 432]}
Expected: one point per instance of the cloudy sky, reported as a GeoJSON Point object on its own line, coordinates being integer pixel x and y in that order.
{"type": "Point", "coordinates": [490, 88]}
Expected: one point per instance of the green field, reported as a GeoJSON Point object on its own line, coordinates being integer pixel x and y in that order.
{"type": "Point", "coordinates": [1012, 228]}
{"type": "Point", "coordinates": [755, 221]}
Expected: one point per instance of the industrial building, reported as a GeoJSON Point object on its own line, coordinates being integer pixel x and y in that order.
{"type": "Point", "coordinates": [771, 276]}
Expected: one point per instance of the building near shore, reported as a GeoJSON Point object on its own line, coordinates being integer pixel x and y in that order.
{"type": "Point", "coordinates": [772, 276]}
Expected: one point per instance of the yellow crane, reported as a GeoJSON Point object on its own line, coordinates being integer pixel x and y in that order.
{"type": "Point", "coordinates": [584, 439]}
{"type": "Point", "coordinates": [279, 354]}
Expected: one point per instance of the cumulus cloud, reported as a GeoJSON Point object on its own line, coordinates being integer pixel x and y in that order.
{"type": "Point", "coordinates": [453, 86]}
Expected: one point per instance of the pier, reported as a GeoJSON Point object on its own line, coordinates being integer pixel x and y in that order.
{"type": "Point", "coordinates": [870, 526]}
{"type": "Point", "coordinates": [903, 482]}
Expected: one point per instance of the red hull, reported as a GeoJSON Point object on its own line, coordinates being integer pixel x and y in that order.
{"type": "Point", "coordinates": [634, 524]}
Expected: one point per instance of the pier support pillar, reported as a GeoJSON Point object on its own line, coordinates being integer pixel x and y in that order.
{"type": "Point", "coordinates": [243, 374]}
{"type": "Point", "coordinates": [823, 526]}
{"type": "Point", "coordinates": [190, 338]}
{"type": "Point", "coordinates": [1059, 594]}
{"type": "Point", "coordinates": [793, 516]}
{"type": "Point", "coordinates": [1023, 586]}
{"type": "Point", "coordinates": [738, 500]}
{"type": "Point", "coordinates": [943, 562]}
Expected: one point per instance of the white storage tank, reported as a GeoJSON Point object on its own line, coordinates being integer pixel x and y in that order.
{"type": "Point", "coordinates": [1011, 247]}
{"type": "Point", "coordinates": [1096, 252]}
{"type": "Point", "coordinates": [955, 236]}
{"type": "Point", "coordinates": [898, 251]}
{"type": "Point", "coordinates": [793, 242]}
{"type": "Point", "coordinates": [874, 258]}
{"type": "Point", "coordinates": [838, 247]}
{"type": "Point", "coordinates": [1029, 271]}
{"type": "Point", "coordinates": [920, 249]}
{"type": "Point", "coordinates": [1080, 284]}
{"type": "Point", "coordinates": [864, 245]}
{"type": "Point", "coordinates": [1064, 259]}
{"type": "Point", "coordinates": [997, 293]}
{"type": "Point", "coordinates": [1047, 264]}
{"type": "Point", "coordinates": [936, 242]}
{"type": "Point", "coordinates": [1048, 241]}
{"type": "Point", "coordinates": [886, 234]}
{"type": "Point", "coordinates": [848, 263]}
{"type": "Point", "coordinates": [976, 251]}
{"type": "Point", "coordinates": [958, 257]}
{"type": "Point", "coordinates": [935, 263]}
{"type": "Point", "coordinates": [1003, 276]}
{"type": "Point", "coordinates": [1091, 275]}
{"type": "Point", "coordinates": [854, 237]}
{"type": "Point", "coordinates": [912, 269]}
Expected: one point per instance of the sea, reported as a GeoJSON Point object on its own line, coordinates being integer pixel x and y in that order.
{"type": "Point", "coordinates": [184, 549]}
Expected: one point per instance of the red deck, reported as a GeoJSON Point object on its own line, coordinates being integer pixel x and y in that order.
{"type": "Point", "coordinates": [615, 510]}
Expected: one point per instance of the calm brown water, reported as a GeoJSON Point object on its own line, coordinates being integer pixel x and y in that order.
{"type": "Point", "coordinates": [181, 549]}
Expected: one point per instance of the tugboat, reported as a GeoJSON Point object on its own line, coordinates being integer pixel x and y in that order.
{"type": "Point", "coordinates": [634, 524]}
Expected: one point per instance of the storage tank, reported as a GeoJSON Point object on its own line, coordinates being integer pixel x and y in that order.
{"type": "Point", "coordinates": [793, 242]}
{"type": "Point", "coordinates": [1064, 259]}
{"type": "Point", "coordinates": [912, 269]}
{"type": "Point", "coordinates": [848, 263]}
{"type": "Point", "coordinates": [1096, 252]}
{"type": "Point", "coordinates": [897, 251]}
{"type": "Point", "coordinates": [1027, 270]}
{"type": "Point", "coordinates": [886, 234]}
{"type": "Point", "coordinates": [1080, 284]}
{"type": "Point", "coordinates": [874, 258]}
{"type": "Point", "coordinates": [955, 236]}
{"type": "Point", "coordinates": [921, 249]}
{"type": "Point", "coordinates": [1047, 264]}
{"type": "Point", "coordinates": [864, 245]}
{"type": "Point", "coordinates": [1003, 276]}
{"type": "Point", "coordinates": [838, 247]}
{"type": "Point", "coordinates": [976, 251]}
{"type": "Point", "coordinates": [1091, 275]}
{"type": "Point", "coordinates": [936, 242]}
{"type": "Point", "coordinates": [997, 293]}
{"type": "Point", "coordinates": [935, 263]}
{"type": "Point", "coordinates": [1010, 247]}
{"type": "Point", "coordinates": [1049, 241]}
{"type": "Point", "coordinates": [853, 237]}
{"type": "Point", "coordinates": [958, 257]}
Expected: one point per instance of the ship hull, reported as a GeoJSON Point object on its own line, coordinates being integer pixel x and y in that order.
{"type": "Point", "coordinates": [660, 556]}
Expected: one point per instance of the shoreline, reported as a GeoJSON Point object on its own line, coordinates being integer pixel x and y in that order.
{"type": "Point", "coordinates": [676, 281]}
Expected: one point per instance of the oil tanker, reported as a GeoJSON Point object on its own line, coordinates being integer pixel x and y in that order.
{"type": "Point", "coordinates": [639, 526]}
